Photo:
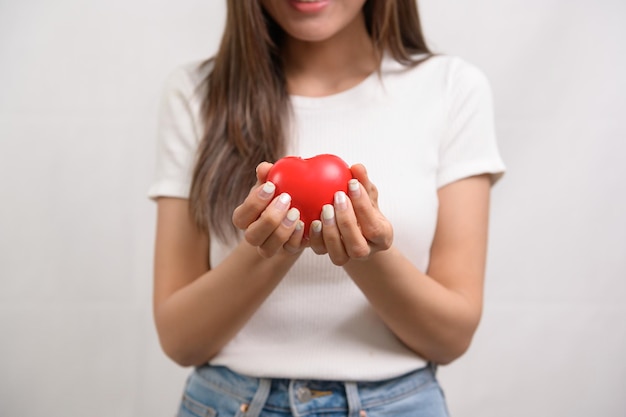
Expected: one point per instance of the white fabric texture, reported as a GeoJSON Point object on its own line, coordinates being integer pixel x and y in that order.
{"type": "Point", "coordinates": [415, 130]}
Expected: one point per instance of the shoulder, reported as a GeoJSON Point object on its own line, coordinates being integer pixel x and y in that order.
{"type": "Point", "coordinates": [447, 71]}
{"type": "Point", "coordinates": [462, 75]}
{"type": "Point", "coordinates": [187, 80]}
{"type": "Point", "coordinates": [182, 95]}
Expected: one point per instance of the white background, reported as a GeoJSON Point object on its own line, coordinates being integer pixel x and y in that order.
{"type": "Point", "coordinates": [79, 89]}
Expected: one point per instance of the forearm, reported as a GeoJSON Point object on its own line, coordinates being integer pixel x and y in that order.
{"type": "Point", "coordinates": [434, 321]}
{"type": "Point", "coordinates": [196, 321]}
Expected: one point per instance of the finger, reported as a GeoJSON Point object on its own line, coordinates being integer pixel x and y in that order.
{"type": "Point", "coordinates": [354, 242]}
{"type": "Point", "coordinates": [364, 210]}
{"type": "Point", "coordinates": [268, 221]}
{"type": "Point", "coordinates": [332, 237]}
{"type": "Point", "coordinates": [254, 204]}
{"type": "Point", "coordinates": [374, 227]}
{"type": "Point", "coordinates": [262, 170]}
{"type": "Point", "coordinates": [281, 234]}
{"type": "Point", "coordinates": [360, 173]}
{"type": "Point", "coordinates": [295, 243]}
{"type": "Point", "coordinates": [316, 240]}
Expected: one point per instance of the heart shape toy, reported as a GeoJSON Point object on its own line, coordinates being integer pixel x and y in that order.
{"type": "Point", "coordinates": [310, 182]}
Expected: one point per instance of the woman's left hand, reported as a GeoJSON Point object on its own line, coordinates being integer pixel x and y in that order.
{"type": "Point", "coordinates": [353, 227]}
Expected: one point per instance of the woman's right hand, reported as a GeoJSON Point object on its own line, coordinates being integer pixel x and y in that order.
{"type": "Point", "coordinates": [267, 220]}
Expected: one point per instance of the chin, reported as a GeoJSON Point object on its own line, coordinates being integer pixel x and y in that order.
{"type": "Point", "coordinates": [333, 18]}
{"type": "Point", "coordinates": [311, 33]}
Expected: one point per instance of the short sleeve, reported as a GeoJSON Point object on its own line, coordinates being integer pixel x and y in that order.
{"type": "Point", "coordinates": [178, 135]}
{"type": "Point", "coordinates": [469, 145]}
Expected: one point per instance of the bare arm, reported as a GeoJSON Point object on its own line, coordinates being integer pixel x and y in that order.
{"type": "Point", "coordinates": [434, 314]}
{"type": "Point", "coordinates": [197, 309]}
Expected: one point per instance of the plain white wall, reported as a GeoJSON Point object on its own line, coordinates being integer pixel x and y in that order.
{"type": "Point", "coordinates": [79, 89]}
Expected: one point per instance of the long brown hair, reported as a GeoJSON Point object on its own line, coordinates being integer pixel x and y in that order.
{"type": "Point", "coordinates": [246, 106]}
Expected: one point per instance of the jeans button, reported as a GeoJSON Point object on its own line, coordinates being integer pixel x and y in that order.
{"type": "Point", "coordinates": [304, 394]}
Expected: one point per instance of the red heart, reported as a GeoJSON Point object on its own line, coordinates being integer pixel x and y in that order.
{"type": "Point", "coordinates": [311, 182]}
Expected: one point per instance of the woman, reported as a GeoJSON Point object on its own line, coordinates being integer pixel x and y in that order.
{"type": "Point", "coordinates": [352, 319]}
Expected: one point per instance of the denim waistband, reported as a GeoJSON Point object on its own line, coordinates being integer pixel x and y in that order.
{"type": "Point", "coordinates": [282, 394]}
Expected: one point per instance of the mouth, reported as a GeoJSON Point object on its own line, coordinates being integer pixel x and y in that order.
{"type": "Point", "coordinates": [309, 6]}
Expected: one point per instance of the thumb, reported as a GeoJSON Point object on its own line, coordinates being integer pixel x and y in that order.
{"type": "Point", "coordinates": [360, 173]}
{"type": "Point", "coordinates": [262, 170]}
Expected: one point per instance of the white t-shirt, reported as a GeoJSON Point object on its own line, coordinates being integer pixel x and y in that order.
{"type": "Point", "coordinates": [415, 130]}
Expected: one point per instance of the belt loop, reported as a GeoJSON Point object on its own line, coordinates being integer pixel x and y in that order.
{"type": "Point", "coordinates": [259, 399]}
{"type": "Point", "coordinates": [433, 367]}
{"type": "Point", "coordinates": [354, 400]}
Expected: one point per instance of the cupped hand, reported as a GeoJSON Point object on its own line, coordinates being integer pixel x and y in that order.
{"type": "Point", "coordinates": [353, 227]}
{"type": "Point", "coordinates": [267, 220]}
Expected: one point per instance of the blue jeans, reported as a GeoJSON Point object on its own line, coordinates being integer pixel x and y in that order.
{"type": "Point", "coordinates": [217, 391]}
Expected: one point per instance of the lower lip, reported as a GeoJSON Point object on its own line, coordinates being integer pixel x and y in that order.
{"type": "Point", "coordinates": [312, 7]}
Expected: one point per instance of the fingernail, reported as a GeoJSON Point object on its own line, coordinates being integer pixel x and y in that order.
{"type": "Point", "coordinates": [316, 226]}
{"type": "Point", "coordinates": [299, 225]}
{"type": "Point", "coordinates": [328, 214]}
{"type": "Point", "coordinates": [340, 200]}
{"type": "Point", "coordinates": [283, 201]}
{"type": "Point", "coordinates": [292, 215]}
{"type": "Point", "coordinates": [353, 188]}
{"type": "Point", "coordinates": [267, 191]}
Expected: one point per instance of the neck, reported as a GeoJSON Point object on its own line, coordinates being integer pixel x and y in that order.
{"type": "Point", "coordinates": [330, 66]}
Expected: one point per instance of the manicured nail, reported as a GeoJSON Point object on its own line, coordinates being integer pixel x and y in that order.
{"type": "Point", "coordinates": [283, 201]}
{"type": "Point", "coordinates": [267, 191]}
{"type": "Point", "coordinates": [354, 188]}
{"type": "Point", "coordinates": [292, 215]}
{"type": "Point", "coordinates": [299, 225]}
{"type": "Point", "coordinates": [340, 200]}
{"type": "Point", "coordinates": [328, 214]}
{"type": "Point", "coordinates": [316, 226]}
